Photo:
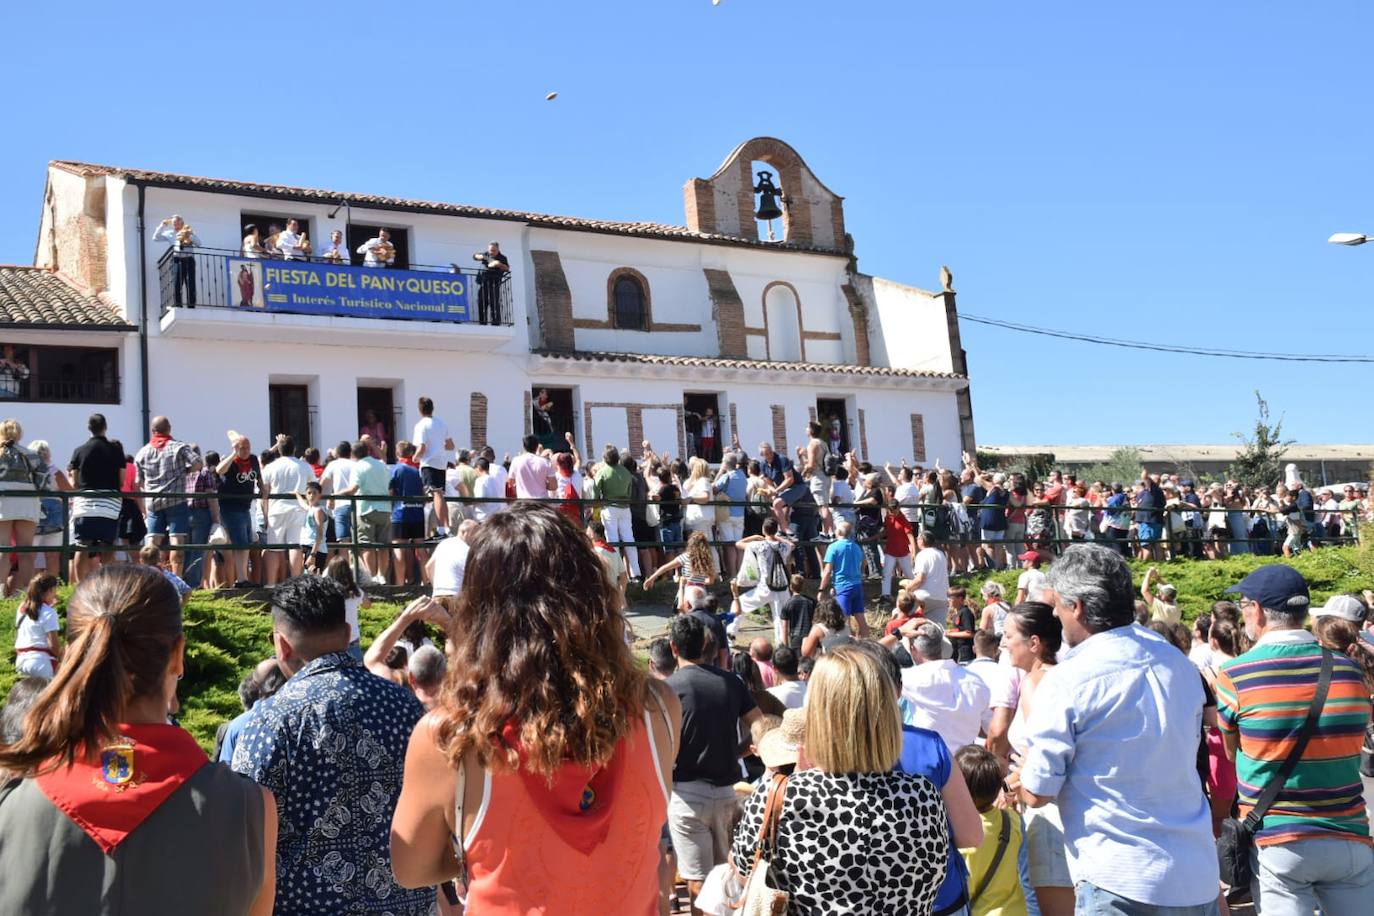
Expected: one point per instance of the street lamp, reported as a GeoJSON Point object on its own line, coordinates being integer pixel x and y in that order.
{"type": "Point", "coordinates": [1348, 238]}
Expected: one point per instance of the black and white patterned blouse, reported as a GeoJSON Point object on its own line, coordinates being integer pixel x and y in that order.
{"type": "Point", "coordinates": [855, 843]}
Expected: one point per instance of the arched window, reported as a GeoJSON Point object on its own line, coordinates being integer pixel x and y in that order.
{"type": "Point", "coordinates": [629, 301]}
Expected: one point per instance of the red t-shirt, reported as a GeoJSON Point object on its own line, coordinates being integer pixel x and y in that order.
{"type": "Point", "coordinates": [900, 621]}
{"type": "Point", "coordinates": [896, 535]}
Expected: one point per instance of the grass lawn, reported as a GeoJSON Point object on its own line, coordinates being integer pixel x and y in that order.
{"type": "Point", "coordinates": [226, 637]}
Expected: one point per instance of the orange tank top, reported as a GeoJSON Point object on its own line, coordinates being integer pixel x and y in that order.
{"type": "Point", "coordinates": [587, 845]}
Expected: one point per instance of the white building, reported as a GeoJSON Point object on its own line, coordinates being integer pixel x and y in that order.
{"type": "Point", "coordinates": [631, 327]}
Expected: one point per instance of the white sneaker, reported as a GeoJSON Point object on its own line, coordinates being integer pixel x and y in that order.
{"type": "Point", "coordinates": [379, 580]}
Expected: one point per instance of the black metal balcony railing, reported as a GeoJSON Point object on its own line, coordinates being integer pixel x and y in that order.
{"type": "Point", "coordinates": [487, 295]}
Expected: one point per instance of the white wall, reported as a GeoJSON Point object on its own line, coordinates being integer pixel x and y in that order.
{"type": "Point", "coordinates": [913, 328]}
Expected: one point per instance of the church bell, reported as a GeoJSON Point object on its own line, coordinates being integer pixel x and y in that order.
{"type": "Point", "coordinates": [768, 197]}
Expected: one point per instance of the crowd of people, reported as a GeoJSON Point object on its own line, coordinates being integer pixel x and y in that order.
{"type": "Point", "coordinates": [389, 504]}
{"type": "Point", "coordinates": [498, 748]}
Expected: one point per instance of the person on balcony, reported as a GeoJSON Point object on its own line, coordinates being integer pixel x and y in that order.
{"type": "Point", "coordinates": [335, 252]}
{"type": "Point", "coordinates": [293, 243]}
{"type": "Point", "coordinates": [378, 252]}
{"type": "Point", "coordinates": [183, 240]}
{"type": "Point", "coordinates": [252, 242]}
{"type": "Point", "coordinates": [495, 266]}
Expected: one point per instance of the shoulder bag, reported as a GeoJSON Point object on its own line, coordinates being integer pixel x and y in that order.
{"type": "Point", "coordinates": [1003, 841]}
{"type": "Point", "coordinates": [758, 898]}
{"type": "Point", "coordinates": [1238, 836]}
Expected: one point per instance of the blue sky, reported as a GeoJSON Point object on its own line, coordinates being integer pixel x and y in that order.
{"type": "Point", "coordinates": [1162, 172]}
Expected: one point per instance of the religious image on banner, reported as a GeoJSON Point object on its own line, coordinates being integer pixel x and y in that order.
{"type": "Point", "coordinates": [245, 278]}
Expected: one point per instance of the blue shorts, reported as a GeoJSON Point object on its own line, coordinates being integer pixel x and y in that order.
{"type": "Point", "coordinates": [851, 600]}
{"type": "Point", "coordinates": [237, 524]}
{"type": "Point", "coordinates": [994, 535]}
{"type": "Point", "coordinates": [171, 520]}
{"type": "Point", "coordinates": [343, 523]}
{"type": "Point", "coordinates": [1145, 531]}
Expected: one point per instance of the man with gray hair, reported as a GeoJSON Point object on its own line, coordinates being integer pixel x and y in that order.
{"type": "Point", "coordinates": [1311, 849]}
{"type": "Point", "coordinates": [700, 605]}
{"type": "Point", "coordinates": [940, 695]}
{"type": "Point", "coordinates": [1114, 738]}
{"type": "Point", "coordinates": [843, 566]}
{"type": "Point", "coordinates": [425, 674]}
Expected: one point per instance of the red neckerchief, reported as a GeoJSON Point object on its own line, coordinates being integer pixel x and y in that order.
{"type": "Point", "coordinates": [159, 441]}
{"type": "Point", "coordinates": [110, 797]}
{"type": "Point", "coordinates": [577, 805]}
{"type": "Point", "coordinates": [243, 465]}
{"type": "Point", "coordinates": [604, 546]}
{"type": "Point", "coordinates": [409, 462]}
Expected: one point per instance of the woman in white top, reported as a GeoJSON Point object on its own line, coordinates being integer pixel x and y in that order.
{"type": "Point", "coordinates": [252, 242]}
{"type": "Point", "coordinates": [37, 639]}
{"type": "Point", "coordinates": [1031, 636]}
{"type": "Point", "coordinates": [696, 493]}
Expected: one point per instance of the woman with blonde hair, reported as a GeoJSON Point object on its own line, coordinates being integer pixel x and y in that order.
{"type": "Point", "coordinates": [695, 566]}
{"type": "Point", "coordinates": [540, 776]}
{"type": "Point", "coordinates": [19, 514]}
{"type": "Point", "coordinates": [133, 817]}
{"type": "Point", "coordinates": [696, 494]}
{"type": "Point", "coordinates": [48, 532]}
{"type": "Point", "coordinates": [853, 834]}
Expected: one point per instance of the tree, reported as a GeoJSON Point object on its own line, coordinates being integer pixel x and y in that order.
{"type": "Point", "coordinates": [1259, 463]}
{"type": "Point", "coordinates": [1122, 466]}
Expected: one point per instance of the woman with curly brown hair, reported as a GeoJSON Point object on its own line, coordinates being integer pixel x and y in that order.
{"type": "Point", "coordinates": [695, 566]}
{"type": "Point", "coordinates": [541, 777]}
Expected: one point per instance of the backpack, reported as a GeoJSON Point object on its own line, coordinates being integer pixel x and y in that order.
{"type": "Point", "coordinates": [776, 575]}
{"type": "Point", "coordinates": [832, 465]}
{"type": "Point", "coordinates": [15, 466]}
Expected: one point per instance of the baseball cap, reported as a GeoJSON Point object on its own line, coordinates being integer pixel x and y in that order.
{"type": "Point", "coordinates": [1033, 555]}
{"type": "Point", "coordinates": [778, 746]}
{"type": "Point", "coordinates": [1346, 607]}
{"type": "Point", "coordinates": [1273, 586]}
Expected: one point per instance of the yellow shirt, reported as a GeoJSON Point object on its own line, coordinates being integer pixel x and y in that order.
{"type": "Point", "coordinates": [1003, 895]}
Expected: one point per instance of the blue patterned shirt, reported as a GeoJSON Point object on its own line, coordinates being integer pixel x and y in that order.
{"type": "Point", "coordinates": [331, 746]}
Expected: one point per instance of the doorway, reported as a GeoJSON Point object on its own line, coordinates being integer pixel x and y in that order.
{"type": "Point", "coordinates": [551, 417]}
{"type": "Point", "coordinates": [701, 417]}
{"type": "Point", "coordinates": [834, 420]}
{"type": "Point", "coordinates": [289, 413]}
{"type": "Point", "coordinates": [359, 233]}
{"type": "Point", "coordinates": [377, 418]}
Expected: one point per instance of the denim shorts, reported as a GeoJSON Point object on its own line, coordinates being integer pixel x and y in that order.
{"type": "Point", "coordinates": [238, 525]}
{"type": "Point", "coordinates": [343, 522]}
{"type": "Point", "coordinates": [171, 520]}
{"type": "Point", "coordinates": [1146, 531]}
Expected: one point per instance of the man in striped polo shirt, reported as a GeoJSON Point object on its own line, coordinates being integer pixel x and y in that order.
{"type": "Point", "coordinates": [1313, 847]}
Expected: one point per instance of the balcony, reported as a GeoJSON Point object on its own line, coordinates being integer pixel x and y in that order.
{"type": "Point", "coordinates": [238, 298]}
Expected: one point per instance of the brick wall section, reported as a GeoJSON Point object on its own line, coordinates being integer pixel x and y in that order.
{"type": "Point", "coordinates": [634, 420]}
{"type": "Point", "coordinates": [587, 431]}
{"type": "Point", "coordinates": [918, 439]}
{"type": "Point", "coordinates": [700, 201]}
{"type": "Point", "coordinates": [734, 423]}
{"type": "Point", "coordinates": [967, 436]}
{"type": "Point", "coordinates": [727, 309]}
{"type": "Point", "coordinates": [779, 429]}
{"type": "Point", "coordinates": [553, 301]}
{"type": "Point", "coordinates": [863, 437]}
{"type": "Point", "coordinates": [477, 419]}
{"type": "Point", "coordinates": [858, 315]}
{"type": "Point", "coordinates": [529, 414]}
{"type": "Point", "coordinates": [811, 412]}
{"type": "Point", "coordinates": [837, 221]}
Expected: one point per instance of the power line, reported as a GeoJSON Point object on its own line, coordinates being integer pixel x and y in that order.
{"type": "Point", "coordinates": [1169, 348]}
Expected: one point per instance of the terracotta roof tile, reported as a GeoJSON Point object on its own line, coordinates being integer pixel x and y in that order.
{"type": "Point", "coordinates": [544, 220]}
{"type": "Point", "coordinates": [36, 297]}
{"type": "Point", "coordinates": [711, 362]}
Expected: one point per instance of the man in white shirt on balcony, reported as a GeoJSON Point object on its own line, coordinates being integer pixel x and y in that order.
{"type": "Point", "coordinates": [173, 229]}
{"type": "Point", "coordinates": [292, 242]}
{"type": "Point", "coordinates": [378, 252]}
{"type": "Point", "coordinates": [335, 252]}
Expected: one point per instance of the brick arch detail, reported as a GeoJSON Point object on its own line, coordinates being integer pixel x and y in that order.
{"type": "Point", "coordinates": [643, 282]}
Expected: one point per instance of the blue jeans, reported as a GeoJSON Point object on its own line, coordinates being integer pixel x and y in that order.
{"type": "Point", "coordinates": [195, 559]}
{"type": "Point", "coordinates": [238, 524]}
{"type": "Point", "coordinates": [670, 533]}
{"type": "Point", "coordinates": [1298, 877]}
{"type": "Point", "coordinates": [1094, 901]}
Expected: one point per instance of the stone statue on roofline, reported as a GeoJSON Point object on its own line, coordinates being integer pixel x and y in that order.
{"type": "Point", "coordinates": [946, 279]}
